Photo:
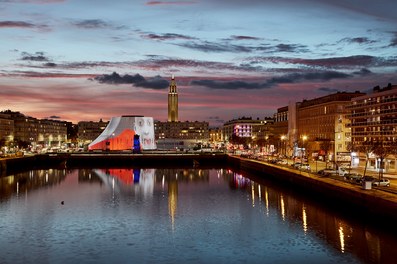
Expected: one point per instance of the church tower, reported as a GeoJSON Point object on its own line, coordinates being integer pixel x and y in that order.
{"type": "Point", "coordinates": [172, 102]}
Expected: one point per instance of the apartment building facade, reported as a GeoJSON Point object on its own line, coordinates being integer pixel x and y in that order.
{"type": "Point", "coordinates": [322, 125]}
{"type": "Point", "coordinates": [374, 120]}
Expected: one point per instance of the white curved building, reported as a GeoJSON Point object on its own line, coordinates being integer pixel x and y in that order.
{"type": "Point", "coordinates": [120, 132]}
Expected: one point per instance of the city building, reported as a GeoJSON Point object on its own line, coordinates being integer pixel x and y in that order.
{"type": "Point", "coordinates": [176, 134]}
{"type": "Point", "coordinates": [280, 129]}
{"type": "Point", "coordinates": [189, 130]}
{"type": "Point", "coordinates": [6, 130]}
{"type": "Point", "coordinates": [89, 131]}
{"type": "Point", "coordinates": [246, 127]}
{"type": "Point", "coordinates": [374, 120]}
{"type": "Point", "coordinates": [256, 134]}
{"type": "Point", "coordinates": [44, 133]}
{"type": "Point", "coordinates": [280, 125]}
{"type": "Point", "coordinates": [322, 125]}
{"type": "Point", "coordinates": [172, 102]}
{"type": "Point", "coordinates": [215, 137]}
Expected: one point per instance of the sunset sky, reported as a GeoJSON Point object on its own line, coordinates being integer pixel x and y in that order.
{"type": "Point", "coordinates": [230, 58]}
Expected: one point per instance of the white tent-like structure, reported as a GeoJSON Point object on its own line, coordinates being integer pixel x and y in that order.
{"type": "Point", "coordinates": [119, 134]}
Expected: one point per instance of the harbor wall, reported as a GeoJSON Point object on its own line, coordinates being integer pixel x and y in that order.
{"type": "Point", "coordinates": [373, 205]}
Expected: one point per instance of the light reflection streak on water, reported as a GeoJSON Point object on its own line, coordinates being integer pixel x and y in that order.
{"type": "Point", "coordinates": [172, 202]}
{"type": "Point", "coordinates": [113, 200]}
{"type": "Point", "coordinates": [253, 194]}
{"type": "Point", "coordinates": [267, 201]}
{"type": "Point", "coordinates": [282, 207]}
{"type": "Point", "coordinates": [304, 219]}
{"type": "Point", "coordinates": [342, 239]}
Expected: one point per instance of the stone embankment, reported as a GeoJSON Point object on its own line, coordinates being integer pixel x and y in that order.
{"type": "Point", "coordinates": [372, 205]}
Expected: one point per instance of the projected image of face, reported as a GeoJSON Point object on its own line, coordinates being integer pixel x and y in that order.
{"type": "Point", "coordinates": [145, 129]}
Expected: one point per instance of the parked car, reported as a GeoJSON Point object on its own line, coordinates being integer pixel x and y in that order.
{"type": "Point", "coordinates": [366, 178]}
{"type": "Point", "coordinates": [381, 182]}
{"type": "Point", "coordinates": [332, 172]}
{"type": "Point", "coordinates": [353, 176]}
{"type": "Point", "coordinates": [301, 166]}
{"type": "Point", "coordinates": [296, 165]}
{"type": "Point", "coordinates": [305, 166]}
{"type": "Point", "coordinates": [282, 162]}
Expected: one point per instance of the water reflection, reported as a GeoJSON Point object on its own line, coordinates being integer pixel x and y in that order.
{"type": "Point", "coordinates": [28, 181]}
{"type": "Point", "coordinates": [181, 192]}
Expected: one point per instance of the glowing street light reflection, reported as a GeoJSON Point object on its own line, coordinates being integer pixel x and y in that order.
{"type": "Point", "coordinates": [282, 207]}
{"type": "Point", "coordinates": [304, 218]}
{"type": "Point", "coordinates": [253, 194]}
{"type": "Point", "coordinates": [267, 201]}
{"type": "Point", "coordinates": [342, 239]}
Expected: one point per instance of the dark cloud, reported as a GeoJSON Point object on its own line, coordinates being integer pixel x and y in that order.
{"type": "Point", "coordinates": [156, 82]}
{"type": "Point", "coordinates": [35, 74]}
{"type": "Point", "coordinates": [92, 24]}
{"type": "Point", "coordinates": [362, 72]}
{"type": "Point", "coordinates": [137, 80]}
{"type": "Point", "coordinates": [244, 38]}
{"type": "Point", "coordinates": [166, 36]}
{"type": "Point", "coordinates": [335, 62]}
{"type": "Point", "coordinates": [291, 48]}
{"type": "Point", "coordinates": [359, 40]}
{"type": "Point", "coordinates": [233, 85]}
{"type": "Point", "coordinates": [207, 46]}
{"type": "Point", "coordinates": [160, 62]}
{"type": "Point", "coordinates": [50, 65]}
{"type": "Point", "coordinates": [16, 24]}
{"type": "Point", "coordinates": [38, 56]}
{"type": "Point", "coordinates": [288, 78]}
{"type": "Point", "coordinates": [311, 76]}
{"type": "Point", "coordinates": [327, 89]}
{"type": "Point", "coordinates": [53, 117]}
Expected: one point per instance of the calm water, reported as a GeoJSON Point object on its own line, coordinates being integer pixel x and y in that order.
{"type": "Point", "coordinates": [173, 216]}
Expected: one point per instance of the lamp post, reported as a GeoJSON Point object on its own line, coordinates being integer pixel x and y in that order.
{"type": "Point", "coordinates": [304, 138]}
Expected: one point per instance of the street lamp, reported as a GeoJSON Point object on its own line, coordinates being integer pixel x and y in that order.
{"type": "Point", "coordinates": [304, 138]}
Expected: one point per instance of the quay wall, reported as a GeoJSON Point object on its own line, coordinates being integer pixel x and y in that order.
{"type": "Point", "coordinates": [99, 160]}
{"type": "Point", "coordinates": [373, 205]}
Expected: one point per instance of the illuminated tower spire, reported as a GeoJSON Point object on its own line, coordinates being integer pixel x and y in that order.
{"type": "Point", "coordinates": [172, 102]}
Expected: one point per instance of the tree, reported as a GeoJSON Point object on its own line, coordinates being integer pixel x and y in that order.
{"type": "Point", "coordinates": [381, 152]}
{"type": "Point", "coordinates": [367, 148]}
{"type": "Point", "coordinates": [236, 140]}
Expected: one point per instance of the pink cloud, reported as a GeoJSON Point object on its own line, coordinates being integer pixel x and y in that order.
{"type": "Point", "coordinates": [16, 24]}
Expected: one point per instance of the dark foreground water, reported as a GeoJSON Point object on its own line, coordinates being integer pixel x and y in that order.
{"type": "Point", "coordinates": [173, 216]}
